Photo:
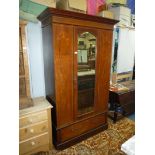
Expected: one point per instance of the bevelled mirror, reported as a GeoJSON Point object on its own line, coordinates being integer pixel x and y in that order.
{"type": "Point", "coordinates": [86, 72]}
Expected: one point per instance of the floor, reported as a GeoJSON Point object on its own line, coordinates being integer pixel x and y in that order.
{"type": "Point", "coordinates": [107, 142]}
{"type": "Point", "coordinates": [132, 117]}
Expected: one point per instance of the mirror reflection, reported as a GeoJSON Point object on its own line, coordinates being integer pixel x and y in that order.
{"type": "Point", "coordinates": [86, 72]}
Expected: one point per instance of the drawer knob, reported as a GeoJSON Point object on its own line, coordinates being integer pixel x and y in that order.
{"type": "Point", "coordinates": [43, 128]}
{"type": "Point", "coordinates": [31, 130]}
{"type": "Point", "coordinates": [33, 143]}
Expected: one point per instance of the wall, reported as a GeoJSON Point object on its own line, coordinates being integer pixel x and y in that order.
{"type": "Point", "coordinates": [34, 42]}
{"type": "Point", "coordinates": [126, 50]}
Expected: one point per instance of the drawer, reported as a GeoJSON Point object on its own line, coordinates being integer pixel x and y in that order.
{"type": "Point", "coordinates": [33, 130]}
{"type": "Point", "coordinates": [34, 143]}
{"type": "Point", "coordinates": [33, 118]}
{"type": "Point", "coordinates": [82, 127]}
{"type": "Point", "coordinates": [127, 98]}
{"type": "Point", "coordinates": [129, 108]}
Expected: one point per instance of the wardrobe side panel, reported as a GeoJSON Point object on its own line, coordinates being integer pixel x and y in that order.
{"type": "Point", "coordinates": [48, 61]}
{"type": "Point", "coordinates": [103, 70]}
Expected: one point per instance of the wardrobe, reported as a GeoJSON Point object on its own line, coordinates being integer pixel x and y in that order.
{"type": "Point", "coordinates": [77, 57]}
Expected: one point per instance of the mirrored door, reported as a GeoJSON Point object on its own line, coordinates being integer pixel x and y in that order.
{"type": "Point", "coordinates": [86, 60]}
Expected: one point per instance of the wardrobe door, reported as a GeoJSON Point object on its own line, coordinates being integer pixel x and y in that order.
{"type": "Point", "coordinates": [86, 46]}
{"type": "Point", "coordinates": [92, 59]}
{"type": "Point", "coordinates": [63, 66]}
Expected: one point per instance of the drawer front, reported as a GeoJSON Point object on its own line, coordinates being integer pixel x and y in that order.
{"type": "Point", "coordinates": [129, 108]}
{"type": "Point", "coordinates": [29, 145]}
{"type": "Point", "coordinates": [127, 98]}
{"type": "Point", "coordinates": [34, 130]}
{"type": "Point", "coordinates": [33, 118]}
{"type": "Point", "coordinates": [81, 127]}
